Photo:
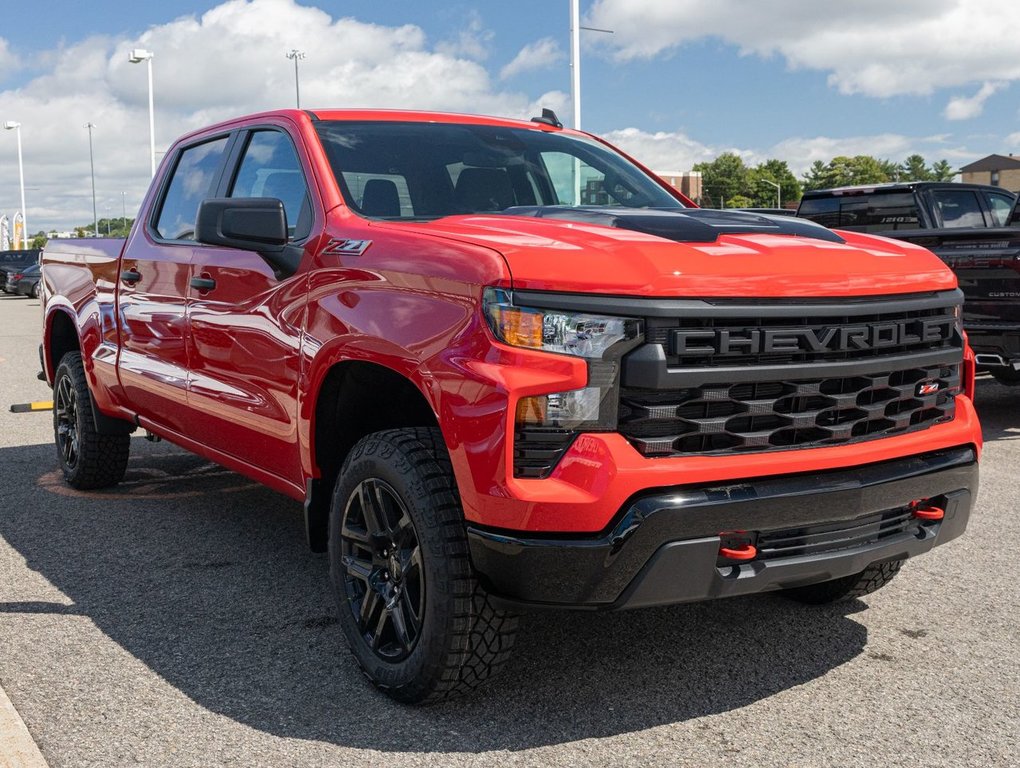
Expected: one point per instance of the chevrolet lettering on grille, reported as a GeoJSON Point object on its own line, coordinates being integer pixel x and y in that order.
{"type": "Point", "coordinates": [836, 338]}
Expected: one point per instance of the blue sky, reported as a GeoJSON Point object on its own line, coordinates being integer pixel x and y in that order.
{"type": "Point", "coordinates": [678, 82]}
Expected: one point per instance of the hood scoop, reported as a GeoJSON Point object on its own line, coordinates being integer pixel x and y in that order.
{"type": "Point", "coordinates": [682, 225]}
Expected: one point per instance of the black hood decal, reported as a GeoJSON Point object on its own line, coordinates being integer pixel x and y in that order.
{"type": "Point", "coordinates": [682, 225]}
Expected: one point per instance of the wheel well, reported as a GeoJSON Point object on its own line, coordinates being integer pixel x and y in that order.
{"type": "Point", "coordinates": [63, 339]}
{"type": "Point", "coordinates": [356, 399]}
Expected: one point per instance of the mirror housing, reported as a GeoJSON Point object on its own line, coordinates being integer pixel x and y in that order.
{"type": "Point", "coordinates": [250, 223]}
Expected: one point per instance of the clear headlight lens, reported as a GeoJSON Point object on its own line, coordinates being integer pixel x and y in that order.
{"type": "Point", "coordinates": [566, 333]}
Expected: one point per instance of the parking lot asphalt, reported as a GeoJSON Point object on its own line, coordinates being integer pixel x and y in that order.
{"type": "Point", "coordinates": [178, 620]}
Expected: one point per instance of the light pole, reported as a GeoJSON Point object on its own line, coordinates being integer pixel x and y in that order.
{"type": "Point", "coordinates": [137, 56]}
{"type": "Point", "coordinates": [295, 54]}
{"type": "Point", "coordinates": [92, 163]}
{"type": "Point", "coordinates": [779, 192]}
{"type": "Point", "coordinates": [575, 57]}
{"type": "Point", "coordinates": [11, 125]}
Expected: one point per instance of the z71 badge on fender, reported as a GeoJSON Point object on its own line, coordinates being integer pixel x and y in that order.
{"type": "Point", "coordinates": [347, 247]}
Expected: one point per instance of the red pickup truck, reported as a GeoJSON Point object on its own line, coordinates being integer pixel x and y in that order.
{"type": "Point", "coordinates": [505, 367]}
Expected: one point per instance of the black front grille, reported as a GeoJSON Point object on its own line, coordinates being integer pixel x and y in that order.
{"type": "Point", "coordinates": [741, 330]}
{"type": "Point", "coordinates": [815, 539]}
{"type": "Point", "coordinates": [859, 371]}
{"type": "Point", "coordinates": [786, 414]}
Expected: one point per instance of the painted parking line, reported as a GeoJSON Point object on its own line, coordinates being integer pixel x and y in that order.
{"type": "Point", "coordinates": [17, 747]}
{"type": "Point", "coordinates": [39, 405]}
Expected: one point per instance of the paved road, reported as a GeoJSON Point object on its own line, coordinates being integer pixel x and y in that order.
{"type": "Point", "coordinates": [179, 621]}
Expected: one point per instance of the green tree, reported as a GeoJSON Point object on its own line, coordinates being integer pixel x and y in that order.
{"type": "Point", "coordinates": [722, 179]}
{"type": "Point", "coordinates": [942, 171]}
{"type": "Point", "coordinates": [740, 201]}
{"type": "Point", "coordinates": [844, 171]}
{"type": "Point", "coordinates": [914, 168]}
{"type": "Point", "coordinates": [778, 172]}
{"type": "Point", "coordinates": [38, 240]}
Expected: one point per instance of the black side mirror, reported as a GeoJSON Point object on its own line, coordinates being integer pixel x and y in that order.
{"type": "Point", "coordinates": [250, 223]}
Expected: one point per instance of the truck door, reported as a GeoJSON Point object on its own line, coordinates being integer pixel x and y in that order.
{"type": "Point", "coordinates": [153, 290]}
{"type": "Point", "coordinates": [244, 322]}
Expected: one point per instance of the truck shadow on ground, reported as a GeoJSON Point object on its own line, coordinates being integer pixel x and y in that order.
{"type": "Point", "coordinates": [205, 578]}
{"type": "Point", "coordinates": [998, 407]}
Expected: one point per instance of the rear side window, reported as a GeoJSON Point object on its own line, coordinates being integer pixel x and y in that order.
{"type": "Point", "coordinates": [957, 208]}
{"type": "Point", "coordinates": [863, 213]}
{"type": "Point", "coordinates": [270, 168]}
{"type": "Point", "coordinates": [192, 181]}
{"type": "Point", "coordinates": [999, 206]}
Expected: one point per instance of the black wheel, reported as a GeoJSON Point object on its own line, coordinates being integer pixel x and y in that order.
{"type": "Point", "coordinates": [872, 578]}
{"type": "Point", "coordinates": [1008, 376]}
{"type": "Point", "coordinates": [418, 622]}
{"type": "Point", "coordinates": [34, 292]}
{"type": "Point", "coordinates": [87, 458]}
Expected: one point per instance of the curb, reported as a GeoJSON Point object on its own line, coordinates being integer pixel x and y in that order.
{"type": "Point", "coordinates": [17, 747]}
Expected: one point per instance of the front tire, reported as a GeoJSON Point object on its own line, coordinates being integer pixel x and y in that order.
{"type": "Point", "coordinates": [872, 578]}
{"type": "Point", "coordinates": [420, 625]}
{"type": "Point", "coordinates": [88, 459]}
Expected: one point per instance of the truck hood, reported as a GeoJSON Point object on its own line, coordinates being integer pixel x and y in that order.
{"type": "Point", "coordinates": [744, 255]}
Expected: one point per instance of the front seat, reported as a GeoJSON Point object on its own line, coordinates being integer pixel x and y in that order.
{"type": "Point", "coordinates": [483, 189]}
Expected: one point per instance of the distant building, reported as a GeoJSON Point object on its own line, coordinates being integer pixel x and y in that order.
{"type": "Point", "coordinates": [687, 182]}
{"type": "Point", "coordinates": [997, 170]}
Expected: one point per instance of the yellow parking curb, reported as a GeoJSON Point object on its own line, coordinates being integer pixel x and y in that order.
{"type": "Point", "coordinates": [39, 405]}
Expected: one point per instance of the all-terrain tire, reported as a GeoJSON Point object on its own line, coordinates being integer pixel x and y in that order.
{"type": "Point", "coordinates": [88, 459]}
{"type": "Point", "coordinates": [872, 578]}
{"type": "Point", "coordinates": [403, 477]}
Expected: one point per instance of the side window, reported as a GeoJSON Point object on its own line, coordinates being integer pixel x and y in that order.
{"type": "Point", "coordinates": [958, 208]}
{"type": "Point", "coordinates": [1000, 206]}
{"type": "Point", "coordinates": [270, 168]}
{"type": "Point", "coordinates": [192, 182]}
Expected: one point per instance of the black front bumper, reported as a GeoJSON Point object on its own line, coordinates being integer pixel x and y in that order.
{"type": "Point", "coordinates": [664, 546]}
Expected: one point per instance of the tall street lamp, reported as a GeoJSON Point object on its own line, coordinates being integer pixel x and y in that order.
{"type": "Point", "coordinates": [95, 217]}
{"type": "Point", "coordinates": [137, 56]}
{"type": "Point", "coordinates": [11, 125]}
{"type": "Point", "coordinates": [575, 58]}
{"type": "Point", "coordinates": [779, 192]}
{"type": "Point", "coordinates": [295, 54]}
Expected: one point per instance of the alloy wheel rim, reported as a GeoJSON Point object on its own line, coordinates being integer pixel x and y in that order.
{"type": "Point", "coordinates": [65, 408]}
{"type": "Point", "coordinates": [384, 578]}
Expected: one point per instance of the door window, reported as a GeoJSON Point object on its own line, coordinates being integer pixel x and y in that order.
{"type": "Point", "coordinates": [270, 168]}
{"type": "Point", "coordinates": [193, 180]}
{"type": "Point", "coordinates": [958, 208]}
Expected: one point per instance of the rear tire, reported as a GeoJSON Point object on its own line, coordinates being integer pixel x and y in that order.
{"type": "Point", "coordinates": [419, 623]}
{"type": "Point", "coordinates": [872, 578]}
{"type": "Point", "coordinates": [88, 459]}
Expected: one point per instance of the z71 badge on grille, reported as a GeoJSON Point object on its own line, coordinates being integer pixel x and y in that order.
{"type": "Point", "coordinates": [927, 388]}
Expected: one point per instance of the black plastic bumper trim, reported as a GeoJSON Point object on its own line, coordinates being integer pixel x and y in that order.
{"type": "Point", "coordinates": [664, 546]}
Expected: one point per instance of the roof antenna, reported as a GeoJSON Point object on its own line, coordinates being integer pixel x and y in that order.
{"type": "Point", "coordinates": [548, 118]}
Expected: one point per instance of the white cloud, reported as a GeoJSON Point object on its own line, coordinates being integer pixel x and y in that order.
{"type": "Point", "coordinates": [8, 61]}
{"type": "Point", "coordinates": [472, 41]}
{"type": "Point", "coordinates": [663, 150]}
{"type": "Point", "coordinates": [873, 47]}
{"type": "Point", "coordinates": [540, 54]}
{"type": "Point", "coordinates": [1013, 140]}
{"type": "Point", "coordinates": [967, 107]}
{"type": "Point", "coordinates": [226, 62]}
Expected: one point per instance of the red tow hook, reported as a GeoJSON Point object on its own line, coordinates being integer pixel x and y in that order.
{"type": "Point", "coordinates": [924, 511]}
{"type": "Point", "coordinates": [746, 552]}
{"type": "Point", "coordinates": [929, 512]}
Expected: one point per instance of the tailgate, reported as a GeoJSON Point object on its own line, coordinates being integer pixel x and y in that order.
{"type": "Point", "coordinates": [987, 266]}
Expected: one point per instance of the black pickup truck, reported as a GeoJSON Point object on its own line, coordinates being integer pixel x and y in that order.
{"type": "Point", "coordinates": [15, 261]}
{"type": "Point", "coordinates": [964, 224]}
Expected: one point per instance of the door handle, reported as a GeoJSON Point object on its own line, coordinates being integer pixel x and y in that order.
{"type": "Point", "coordinates": [131, 276]}
{"type": "Point", "coordinates": [203, 283]}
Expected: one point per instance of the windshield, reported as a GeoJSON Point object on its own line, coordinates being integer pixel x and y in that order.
{"type": "Point", "coordinates": [415, 170]}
